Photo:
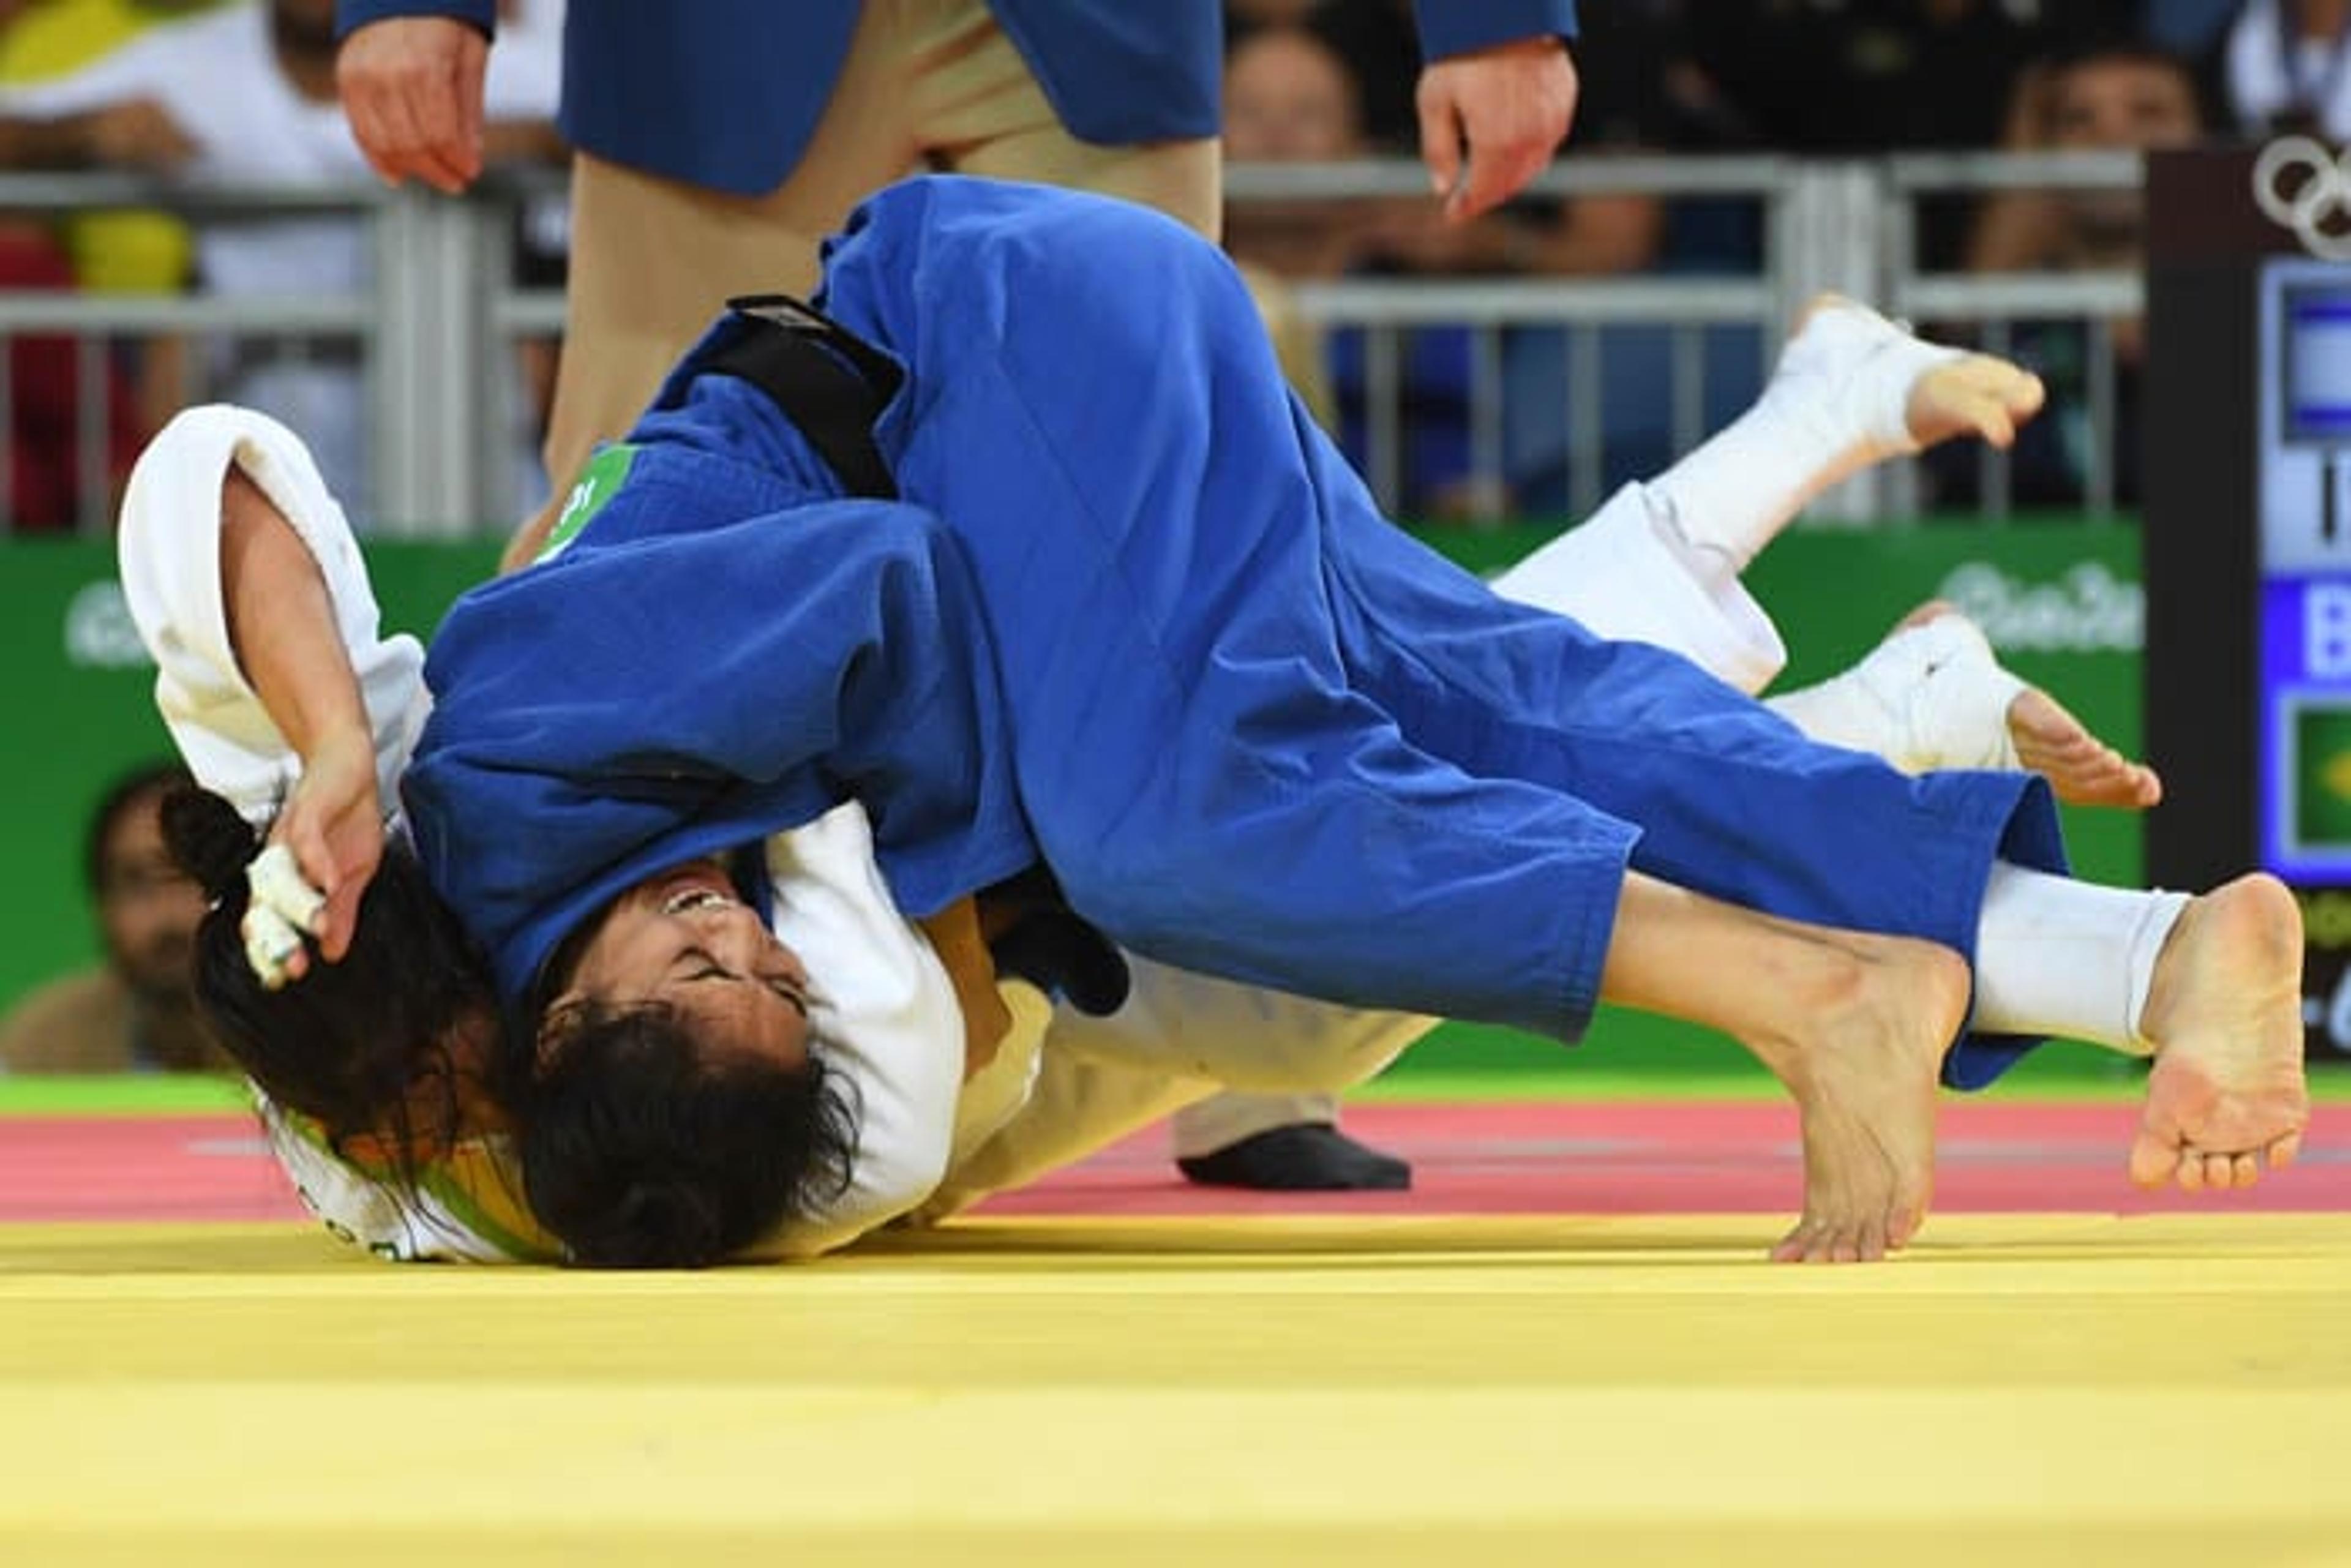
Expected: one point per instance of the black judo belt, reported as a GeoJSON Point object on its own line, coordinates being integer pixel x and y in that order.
{"type": "Point", "coordinates": [829, 383]}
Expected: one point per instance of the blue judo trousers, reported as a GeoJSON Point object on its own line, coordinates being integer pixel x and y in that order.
{"type": "Point", "coordinates": [1134, 618]}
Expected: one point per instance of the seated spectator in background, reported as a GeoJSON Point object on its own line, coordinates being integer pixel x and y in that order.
{"type": "Point", "coordinates": [2117, 94]}
{"type": "Point", "coordinates": [1860, 77]}
{"type": "Point", "coordinates": [246, 95]}
{"type": "Point", "coordinates": [2288, 68]}
{"type": "Point", "coordinates": [1644, 93]}
{"type": "Point", "coordinates": [44, 489]}
{"type": "Point", "coordinates": [112, 251]}
{"type": "Point", "coordinates": [137, 1013]}
{"type": "Point", "coordinates": [1290, 96]}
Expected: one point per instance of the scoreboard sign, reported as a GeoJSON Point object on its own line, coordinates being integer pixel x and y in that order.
{"type": "Point", "coordinates": [2248, 542]}
{"type": "Point", "coordinates": [2304, 616]}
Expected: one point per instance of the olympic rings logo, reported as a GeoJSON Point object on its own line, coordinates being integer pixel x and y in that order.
{"type": "Point", "coordinates": [2304, 187]}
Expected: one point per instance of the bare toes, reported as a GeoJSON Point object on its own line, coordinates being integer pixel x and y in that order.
{"type": "Point", "coordinates": [1979, 393]}
{"type": "Point", "coordinates": [2154, 1159]}
{"type": "Point", "coordinates": [1789, 1248]}
{"type": "Point", "coordinates": [1932, 610]}
{"type": "Point", "coordinates": [2083, 769]}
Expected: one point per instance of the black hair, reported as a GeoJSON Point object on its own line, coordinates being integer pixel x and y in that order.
{"type": "Point", "coordinates": [641, 1149]}
{"type": "Point", "coordinates": [349, 1043]}
{"type": "Point", "coordinates": [139, 784]}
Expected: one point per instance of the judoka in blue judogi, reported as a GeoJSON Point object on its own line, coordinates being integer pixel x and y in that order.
{"type": "Point", "coordinates": [1136, 620]}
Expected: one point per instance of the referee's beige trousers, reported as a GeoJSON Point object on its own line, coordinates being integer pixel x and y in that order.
{"type": "Point", "coordinates": [927, 84]}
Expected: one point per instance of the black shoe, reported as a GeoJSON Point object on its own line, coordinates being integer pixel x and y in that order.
{"type": "Point", "coordinates": [1306, 1156]}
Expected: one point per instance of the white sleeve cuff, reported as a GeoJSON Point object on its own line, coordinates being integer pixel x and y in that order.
{"type": "Point", "coordinates": [169, 549]}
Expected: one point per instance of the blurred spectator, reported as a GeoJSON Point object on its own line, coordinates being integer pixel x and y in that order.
{"type": "Point", "coordinates": [2288, 68]}
{"type": "Point", "coordinates": [136, 1013]}
{"type": "Point", "coordinates": [142, 251]}
{"type": "Point", "coordinates": [246, 95]}
{"type": "Point", "coordinates": [1379, 43]}
{"type": "Point", "coordinates": [1291, 97]}
{"type": "Point", "coordinates": [2119, 95]}
{"type": "Point", "coordinates": [1645, 93]}
{"type": "Point", "coordinates": [1300, 91]}
{"type": "Point", "coordinates": [45, 480]}
{"type": "Point", "coordinates": [1860, 77]}
{"type": "Point", "coordinates": [2122, 94]}
{"type": "Point", "coordinates": [1288, 98]}
{"type": "Point", "coordinates": [110, 251]}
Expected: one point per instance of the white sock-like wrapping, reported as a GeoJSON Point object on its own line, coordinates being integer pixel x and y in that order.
{"type": "Point", "coordinates": [2068, 958]}
{"type": "Point", "coordinates": [1930, 695]}
{"type": "Point", "coordinates": [1837, 403]}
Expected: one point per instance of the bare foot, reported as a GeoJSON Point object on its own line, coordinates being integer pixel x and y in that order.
{"type": "Point", "coordinates": [2225, 1015]}
{"type": "Point", "coordinates": [2041, 733]}
{"type": "Point", "coordinates": [1863, 1072]}
{"type": "Point", "coordinates": [1974, 393]}
{"type": "Point", "coordinates": [2083, 769]}
{"type": "Point", "coordinates": [1899, 391]}
{"type": "Point", "coordinates": [1934, 695]}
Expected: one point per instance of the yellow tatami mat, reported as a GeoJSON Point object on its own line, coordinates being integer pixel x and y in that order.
{"type": "Point", "coordinates": [2017, 1391]}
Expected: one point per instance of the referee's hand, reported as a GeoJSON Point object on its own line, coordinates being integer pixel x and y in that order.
{"type": "Point", "coordinates": [1491, 120]}
{"type": "Point", "coordinates": [412, 88]}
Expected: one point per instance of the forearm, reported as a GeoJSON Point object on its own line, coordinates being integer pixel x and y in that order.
{"type": "Point", "coordinates": [60, 141]}
{"type": "Point", "coordinates": [281, 621]}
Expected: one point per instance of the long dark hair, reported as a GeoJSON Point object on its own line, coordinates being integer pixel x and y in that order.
{"type": "Point", "coordinates": [639, 1148]}
{"type": "Point", "coordinates": [361, 1045]}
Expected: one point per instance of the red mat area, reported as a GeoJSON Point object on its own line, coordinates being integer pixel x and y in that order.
{"type": "Point", "coordinates": [1537, 1159]}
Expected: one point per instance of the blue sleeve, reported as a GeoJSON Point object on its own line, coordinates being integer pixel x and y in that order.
{"type": "Point", "coordinates": [352, 14]}
{"type": "Point", "coordinates": [618, 711]}
{"type": "Point", "coordinates": [1460, 27]}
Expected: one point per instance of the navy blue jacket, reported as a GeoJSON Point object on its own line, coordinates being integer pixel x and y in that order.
{"type": "Point", "coordinates": [726, 93]}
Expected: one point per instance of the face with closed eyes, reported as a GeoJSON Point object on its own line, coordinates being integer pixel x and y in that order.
{"type": "Point", "coordinates": [686, 939]}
